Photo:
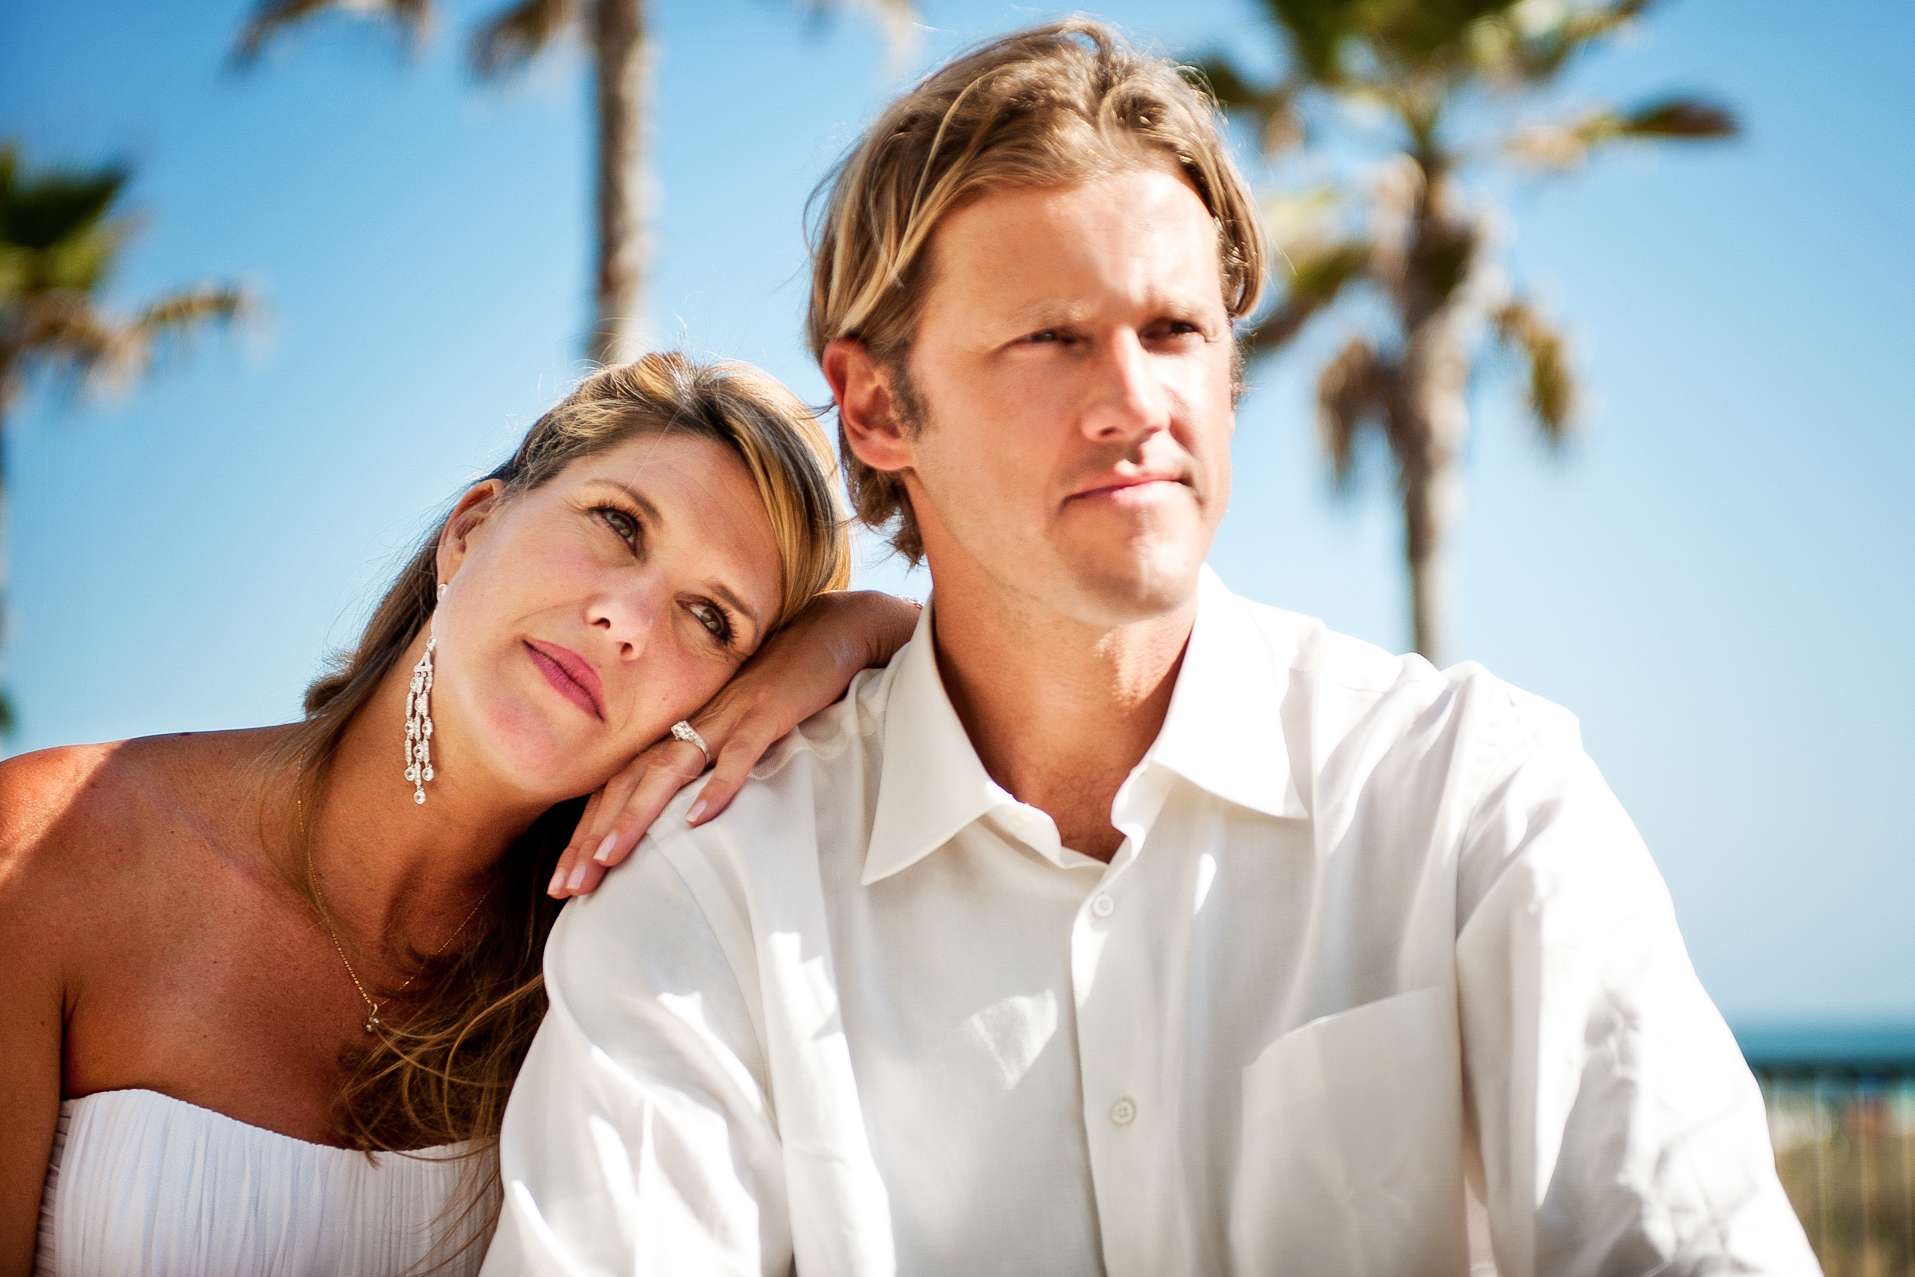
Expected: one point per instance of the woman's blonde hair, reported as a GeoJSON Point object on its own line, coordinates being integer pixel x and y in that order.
{"type": "Point", "coordinates": [441, 1077]}
{"type": "Point", "coordinates": [1065, 102]}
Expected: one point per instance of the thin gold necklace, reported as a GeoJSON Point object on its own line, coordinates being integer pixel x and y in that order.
{"type": "Point", "coordinates": [372, 1022]}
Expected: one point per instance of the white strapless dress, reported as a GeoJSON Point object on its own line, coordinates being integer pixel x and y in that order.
{"type": "Point", "coordinates": [144, 1185]}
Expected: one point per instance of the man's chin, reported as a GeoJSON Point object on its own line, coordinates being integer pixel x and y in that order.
{"type": "Point", "coordinates": [1134, 588]}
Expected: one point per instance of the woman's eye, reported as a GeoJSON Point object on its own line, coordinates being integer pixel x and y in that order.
{"type": "Point", "coordinates": [619, 522]}
{"type": "Point", "coordinates": [1047, 337]}
{"type": "Point", "coordinates": [713, 619]}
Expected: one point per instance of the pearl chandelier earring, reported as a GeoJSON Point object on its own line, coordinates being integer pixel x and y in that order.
{"type": "Point", "coordinates": [419, 715]}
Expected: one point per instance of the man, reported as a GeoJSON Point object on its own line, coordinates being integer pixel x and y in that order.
{"type": "Point", "coordinates": [1119, 923]}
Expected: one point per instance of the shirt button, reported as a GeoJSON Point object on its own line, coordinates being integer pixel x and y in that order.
{"type": "Point", "coordinates": [1102, 906]}
{"type": "Point", "coordinates": [1124, 1112]}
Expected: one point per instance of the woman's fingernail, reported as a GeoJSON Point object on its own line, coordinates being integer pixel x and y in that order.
{"type": "Point", "coordinates": [698, 809]}
{"type": "Point", "coordinates": [558, 879]}
{"type": "Point", "coordinates": [605, 848]}
{"type": "Point", "coordinates": [577, 879]}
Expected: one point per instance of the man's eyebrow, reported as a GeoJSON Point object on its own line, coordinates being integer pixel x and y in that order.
{"type": "Point", "coordinates": [1047, 314]}
{"type": "Point", "coordinates": [1039, 315]}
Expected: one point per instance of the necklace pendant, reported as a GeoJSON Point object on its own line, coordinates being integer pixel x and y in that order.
{"type": "Point", "coordinates": [372, 1021]}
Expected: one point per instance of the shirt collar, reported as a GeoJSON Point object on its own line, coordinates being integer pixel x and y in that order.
{"type": "Point", "coordinates": [1225, 729]}
{"type": "Point", "coordinates": [1224, 732]}
{"type": "Point", "coordinates": [931, 783]}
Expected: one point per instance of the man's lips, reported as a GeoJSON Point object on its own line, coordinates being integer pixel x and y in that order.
{"type": "Point", "coordinates": [570, 674]}
{"type": "Point", "coordinates": [1125, 488]}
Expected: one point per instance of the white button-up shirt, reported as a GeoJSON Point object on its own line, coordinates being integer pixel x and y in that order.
{"type": "Point", "coordinates": [1377, 937]}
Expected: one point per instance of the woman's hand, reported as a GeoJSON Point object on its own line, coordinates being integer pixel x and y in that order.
{"type": "Point", "coordinates": [803, 668]}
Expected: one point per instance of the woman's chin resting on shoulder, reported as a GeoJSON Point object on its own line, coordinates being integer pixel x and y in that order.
{"type": "Point", "coordinates": [267, 989]}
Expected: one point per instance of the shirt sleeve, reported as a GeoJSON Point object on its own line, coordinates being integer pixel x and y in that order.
{"type": "Point", "coordinates": [639, 1136]}
{"type": "Point", "coordinates": [1620, 1130]}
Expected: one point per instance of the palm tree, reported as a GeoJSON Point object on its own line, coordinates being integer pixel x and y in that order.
{"type": "Point", "coordinates": [617, 33]}
{"type": "Point", "coordinates": [60, 239]}
{"type": "Point", "coordinates": [1414, 237]}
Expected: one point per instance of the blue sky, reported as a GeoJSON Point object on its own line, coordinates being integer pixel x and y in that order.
{"type": "Point", "coordinates": [1713, 576]}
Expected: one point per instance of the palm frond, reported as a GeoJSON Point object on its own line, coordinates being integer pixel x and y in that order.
{"type": "Point", "coordinates": [1553, 393]}
{"type": "Point", "coordinates": [42, 210]}
{"type": "Point", "coordinates": [1428, 34]}
{"type": "Point", "coordinates": [191, 309]}
{"type": "Point", "coordinates": [1272, 107]}
{"type": "Point", "coordinates": [1533, 42]}
{"type": "Point", "coordinates": [1352, 392]}
{"type": "Point", "coordinates": [519, 33]}
{"type": "Point", "coordinates": [70, 335]}
{"type": "Point", "coordinates": [82, 261]}
{"type": "Point", "coordinates": [1318, 277]}
{"type": "Point", "coordinates": [272, 18]}
{"type": "Point", "coordinates": [1681, 119]}
{"type": "Point", "coordinates": [1226, 83]}
{"type": "Point", "coordinates": [56, 227]}
{"type": "Point", "coordinates": [903, 32]}
{"type": "Point", "coordinates": [1318, 32]}
{"type": "Point", "coordinates": [1567, 145]}
{"type": "Point", "coordinates": [897, 20]}
{"type": "Point", "coordinates": [169, 320]}
{"type": "Point", "coordinates": [63, 325]}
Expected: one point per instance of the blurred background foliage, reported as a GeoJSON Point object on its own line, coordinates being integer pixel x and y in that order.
{"type": "Point", "coordinates": [62, 234]}
{"type": "Point", "coordinates": [1428, 87]}
{"type": "Point", "coordinates": [617, 36]}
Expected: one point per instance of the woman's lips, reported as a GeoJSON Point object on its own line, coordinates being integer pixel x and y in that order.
{"type": "Point", "coordinates": [558, 666]}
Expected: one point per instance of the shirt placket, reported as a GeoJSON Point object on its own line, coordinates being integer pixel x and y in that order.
{"type": "Point", "coordinates": [1119, 1056]}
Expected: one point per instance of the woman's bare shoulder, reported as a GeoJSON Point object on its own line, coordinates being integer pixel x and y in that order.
{"type": "Point", "coordinates": [46, 792]}
{"type": "Point", "coordinates": [60, 807]}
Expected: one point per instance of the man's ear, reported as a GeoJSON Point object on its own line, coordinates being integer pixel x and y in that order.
{"type": "Point", "coordinates": [874, 429]}
{"type": "Point", "coordinates": [477, 504]}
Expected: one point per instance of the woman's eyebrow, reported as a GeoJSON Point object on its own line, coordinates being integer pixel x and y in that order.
{"type": "Point", "coordinates": [739, 605]}
{"type": "Point", "coordinates": [639, 499]}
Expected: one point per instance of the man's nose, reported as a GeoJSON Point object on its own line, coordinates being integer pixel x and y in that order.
{"type": "Point", "coordinates": [1127, 400]}
{"type": "Point", "coordinates": [627, 610]}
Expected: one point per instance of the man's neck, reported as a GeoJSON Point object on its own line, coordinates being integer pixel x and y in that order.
{"type": "Point", "coordinates": [1059, 711]}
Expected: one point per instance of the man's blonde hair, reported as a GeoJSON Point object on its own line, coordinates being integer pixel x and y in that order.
{"type": "Point", "coordinates": [1061, 103]}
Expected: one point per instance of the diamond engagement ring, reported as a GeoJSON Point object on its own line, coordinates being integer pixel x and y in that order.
{"type": "Point", "coordinates": [684, 731]}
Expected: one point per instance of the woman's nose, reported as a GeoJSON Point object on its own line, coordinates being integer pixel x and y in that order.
{"type": "Point", "coordinates": [628, 611]}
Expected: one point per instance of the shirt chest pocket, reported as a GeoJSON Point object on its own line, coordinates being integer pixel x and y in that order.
{"type": "Point", "coordinates": [1351, 1159]}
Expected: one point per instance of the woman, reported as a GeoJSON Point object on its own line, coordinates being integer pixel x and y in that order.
{"type": "Point", "coordinates": [315, 948]}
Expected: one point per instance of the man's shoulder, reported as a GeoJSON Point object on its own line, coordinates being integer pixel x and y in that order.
{"type": "Point", "coordinates": [1352, 686]}
{"type": "Point", "coordinates": [793, 823]}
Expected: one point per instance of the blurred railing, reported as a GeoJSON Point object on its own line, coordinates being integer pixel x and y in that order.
{"type": "Point", "coordinates": [1842, 1116]}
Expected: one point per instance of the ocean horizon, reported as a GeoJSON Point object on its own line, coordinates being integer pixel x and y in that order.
{"type": "Point", "coordinates": [1831, 1042]}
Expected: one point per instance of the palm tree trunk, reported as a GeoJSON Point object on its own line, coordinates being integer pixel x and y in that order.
{"type": "Point", "coordinates": [6, 701]}
{"type": "Point", "coordinates": [1430, 498]}
{"type": "Point", "coordinates": [622, 47]}
{"type": "Point", "coordinates": [1436, 412]}
{"type": "Point", "coordinates": [1432, 411]}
